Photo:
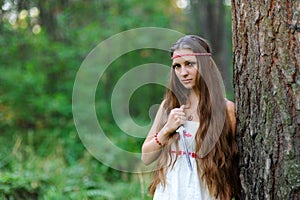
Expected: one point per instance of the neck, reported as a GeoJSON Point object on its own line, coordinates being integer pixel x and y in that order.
{"type": "Point", "coordinates": [193, 100]}
{"type": "Point", "coordinates": [192, 105]}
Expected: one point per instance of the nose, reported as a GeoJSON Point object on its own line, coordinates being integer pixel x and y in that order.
{"type": "Point", "coordinates": [183, 71]}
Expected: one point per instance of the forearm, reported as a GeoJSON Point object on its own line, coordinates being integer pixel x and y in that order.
{"type": "Point", "coordinates": [154, 143]}
{"type": "Point", "coordinates": [150, 152]}
{"type": "Point", "coordinates": [152, 148]}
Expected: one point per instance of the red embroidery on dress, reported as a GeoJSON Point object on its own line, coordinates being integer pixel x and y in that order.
{"type": "Point", "coordinates": [181, 153]}
{"type": "Point", "coordinates": [187, 135]}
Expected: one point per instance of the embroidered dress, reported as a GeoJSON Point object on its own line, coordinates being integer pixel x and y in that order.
{"type": "Point", "coordinates": [181, 182]}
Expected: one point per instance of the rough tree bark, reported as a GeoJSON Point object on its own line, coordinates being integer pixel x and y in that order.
{"type": "Point", "coordinates": [267, 96]}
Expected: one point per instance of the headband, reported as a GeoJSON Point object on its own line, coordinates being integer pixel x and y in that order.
{"type": "Point", "coordinates": [190, 54]}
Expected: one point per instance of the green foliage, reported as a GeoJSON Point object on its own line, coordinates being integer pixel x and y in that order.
{"type": "Point", "coordinates": [27, 175]}
{"type": "Point", "coordinates": [41, 155]}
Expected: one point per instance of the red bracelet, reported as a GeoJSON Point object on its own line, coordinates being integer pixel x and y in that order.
{"type": "Point", "coordinates": [156, 140]}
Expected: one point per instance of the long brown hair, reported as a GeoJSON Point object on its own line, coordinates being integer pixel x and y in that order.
{"type": "Point", "coordinates": [218, 167]}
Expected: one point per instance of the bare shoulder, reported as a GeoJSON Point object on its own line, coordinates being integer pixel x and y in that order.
{"type": "Point", "coordinates": [230, 106]}
{"type": "Point", "coordinates": [231, 113]}
{"type": "Point", "coordinates": [163, 103]}
{"type": "Point", "coordinates": [161, 107]}
{"type": "Point", "coordinates": [158, 117]}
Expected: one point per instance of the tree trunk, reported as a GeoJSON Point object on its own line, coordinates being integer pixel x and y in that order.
{"type": "Point", "coordinates": [48, 17]}
{"type": "Point", "coordinates": [267, 96]}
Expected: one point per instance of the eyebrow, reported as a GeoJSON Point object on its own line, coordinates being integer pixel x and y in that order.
{"type": "Point", "coordinates": [186, 61]}
{"type": "Point", "coordinates": [175, 64]}
{"type": "Point", "coordinates": [190, 54]}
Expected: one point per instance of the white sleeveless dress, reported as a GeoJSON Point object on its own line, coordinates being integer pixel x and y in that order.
{"type": "Point", "coordinates": [181, 182]}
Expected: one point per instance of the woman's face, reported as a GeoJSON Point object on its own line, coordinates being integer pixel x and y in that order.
{"type": "Point", "coordinates": [185, 67]}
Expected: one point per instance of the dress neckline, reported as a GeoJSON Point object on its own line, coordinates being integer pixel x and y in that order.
{"type": "Point", "coordinates": [192, 121]}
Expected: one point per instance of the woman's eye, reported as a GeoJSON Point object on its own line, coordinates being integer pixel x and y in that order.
{"type": "Point", "coordinates": [190, 64]}
{"type": "Point", "coordinates": [177, 66]}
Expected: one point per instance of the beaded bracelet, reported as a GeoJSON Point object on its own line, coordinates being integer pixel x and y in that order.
{"type": "Point", "coordinates": [156, 140]}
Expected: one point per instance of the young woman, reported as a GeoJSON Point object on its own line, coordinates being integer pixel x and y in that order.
{"type": "Point", "coordinates": [192, 138]}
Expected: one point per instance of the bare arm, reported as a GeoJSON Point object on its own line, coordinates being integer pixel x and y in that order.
{"type": "Point", "coordinates": [151, 149]}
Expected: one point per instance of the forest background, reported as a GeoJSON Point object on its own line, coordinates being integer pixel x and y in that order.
{"type": "Point", "coordinates": [42, 45]}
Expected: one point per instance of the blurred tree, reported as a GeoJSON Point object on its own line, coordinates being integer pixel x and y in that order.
{"type": "Point", "coordinates": [44, 42]}
{"type": "Point", "coordinates": [49, 11]}
{"type": "Point", "coordinates": [212, 20]}
{"type": "Point", "coordinates": [267, 96]}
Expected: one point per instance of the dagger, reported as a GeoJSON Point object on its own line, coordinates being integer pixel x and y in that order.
{"type": "Point", "coordinates": [181, 131]}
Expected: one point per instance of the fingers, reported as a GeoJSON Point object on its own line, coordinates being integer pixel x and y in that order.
{"type": "Point", "coordinates": [182, 107]}
{"type": "Point", "coordinates": [177, 117]}
{"type": "Point", "coordinates": [178, 111]}
{"type": "Point", "coordinates": [177, 114]}
{"type": "Point", "coordinates": [180, 119]}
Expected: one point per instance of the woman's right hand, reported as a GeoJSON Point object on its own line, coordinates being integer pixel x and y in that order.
{"type": "Point", "coordinates": [175, 119]}
{"type": "Point", "coordinates": [155, 140]}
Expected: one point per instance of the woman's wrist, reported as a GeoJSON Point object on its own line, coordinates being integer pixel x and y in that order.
{"type": "Point", "coordinates": [161, 136]}
{"type": "Point", "coordinates": [157, 140]}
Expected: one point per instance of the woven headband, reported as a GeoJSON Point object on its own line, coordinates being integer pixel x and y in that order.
{"type": "Point", "coordinates": [190, 54]}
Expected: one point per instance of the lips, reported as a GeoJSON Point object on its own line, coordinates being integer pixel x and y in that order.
{"type": "Point", "coordinates": [186, 81]}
